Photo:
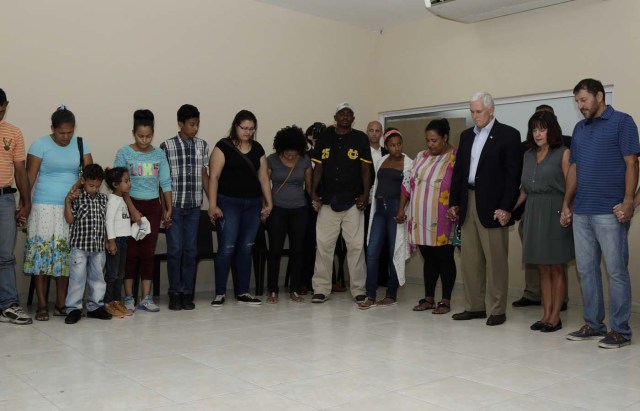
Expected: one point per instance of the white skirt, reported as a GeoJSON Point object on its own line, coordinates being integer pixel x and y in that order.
{"type": "Point", "coordinates": [47, 247]}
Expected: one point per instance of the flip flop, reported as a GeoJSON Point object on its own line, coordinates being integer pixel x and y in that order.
{"type": "Point", "coordinates": [59, 311]}
{"type": "Point", "coordinates": [424, 305]}
{"type": "Point", "coordinates": [42, 314]}
{"type": "Point", "coordinates": [442, 308]}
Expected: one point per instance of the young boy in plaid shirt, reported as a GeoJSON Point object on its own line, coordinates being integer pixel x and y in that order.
{"type": "Point", "coordinates": [84, 210]}
{"type": "Point", "coordinates": [188, 157]}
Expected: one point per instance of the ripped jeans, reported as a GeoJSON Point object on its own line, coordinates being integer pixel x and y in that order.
{"type": "Point", "coordinates": [236, 231]}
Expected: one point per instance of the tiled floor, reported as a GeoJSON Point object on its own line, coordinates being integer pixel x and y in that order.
{"type": "Point", "coordinates": [308, 357]}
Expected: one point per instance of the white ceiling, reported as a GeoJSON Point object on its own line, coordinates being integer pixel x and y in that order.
{"type": "Point", "coordinates": [371, 14]}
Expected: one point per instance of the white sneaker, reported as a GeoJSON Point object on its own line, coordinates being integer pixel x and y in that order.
{"type": "Point", "coordinates": [129, 304]}
{"type": "Point", "coordinates": [15, 315]}
{"type": "Point", "coordinates": [148, 304]}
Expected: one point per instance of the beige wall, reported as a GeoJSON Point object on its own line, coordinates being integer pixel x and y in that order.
{"type": "Point", "coordinates": [435, 62]}
{"type": "Point", "coordinates": [106, 59]}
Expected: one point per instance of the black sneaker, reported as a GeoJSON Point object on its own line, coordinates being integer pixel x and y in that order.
{"type": "Point", "coordinates": [319, 298]}
{"type": "Point", "coordinates": [175, 301]}
{"type": "Point", "coordinates": [187, 302]}
{"type": "Point", "coordinates": [248, 299]}
{"type": "Point", "coordinates": [613, 339]}
{"type": "Point", "coordinates": [360, 298]}
{"type": "Point", "coordinates": [218, 300]}
{"type": "Point", "coordinates": [73, 317]}
{"type": "Point", "coordinates": [100, 313]}
{"type": "Point", "coordinates": [585, 333]}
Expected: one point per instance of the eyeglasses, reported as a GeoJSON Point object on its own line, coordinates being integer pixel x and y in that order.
{"type": "Point", "coordinates": [249, 129]}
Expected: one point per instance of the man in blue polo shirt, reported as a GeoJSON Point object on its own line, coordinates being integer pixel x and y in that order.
{"type": "Point", "coordinates": [603, 174]}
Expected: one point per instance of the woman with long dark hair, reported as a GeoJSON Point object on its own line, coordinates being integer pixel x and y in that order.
{"type": "Point", "coordinates": [239, 195]}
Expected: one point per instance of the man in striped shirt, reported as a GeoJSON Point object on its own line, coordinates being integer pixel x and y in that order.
{"type": "Point", "coordinates": [603, 175]}
{"type": "Point", "coordinates": [188, 158]}
{"type": "Point", "coordinates": [12, 163]}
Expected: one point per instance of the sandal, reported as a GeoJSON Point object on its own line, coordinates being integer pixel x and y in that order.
{"type": "Point", "coordinates": [424, 305]}
{"type": "Point", "coordinates": [272, 299]}
{"type": "Point", "coordinates": [59, 311]}
{"type": "Point", "coordinates": [42, 314]}
{"type": "Point", "coordinates": [442, 308]}
{"type": "Point", "coordinates": [296, 298]}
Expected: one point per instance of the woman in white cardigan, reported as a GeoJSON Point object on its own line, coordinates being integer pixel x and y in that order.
{"type": "Point", "coordinates": [390, 170]}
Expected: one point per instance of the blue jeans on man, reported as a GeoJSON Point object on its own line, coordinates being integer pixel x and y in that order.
{"type": "Point", "coordinates": [8, 290]}
{"type": "Point", "coordinates": [383, 230]}
{"type": "Point", "coordinates": [596, 237]}
{"type": "Point", "coordinates": [237, 231]}
{"type": "Point", "coordinates": [86, 267]}
{"type": "Point", "coordinates": [182, 249]}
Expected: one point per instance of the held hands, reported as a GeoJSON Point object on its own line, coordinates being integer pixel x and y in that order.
{"type": "Point", "coordinates": [112, 248]}
{"type": "Point", "coordinates": [452, 213]}
{"type": "Point", "coordinates": [214, 213]}
{"type": "Point", "coordinates": [362, 201]}
{"type": "Point", "coordinates": [316, 202]}
{"type": "Point", "coordinates": [136, 216]}
{"type": "Point", "coordinates": [166, 218]}
{"type": "Point", "coordinates": [566, 216]}
{"type": "Point", "coordinates": [264, 213]}
{"type": "Point", "coordinates": [22, 214]}
{"type": "Point", "coordinates": [401, 217]}
{"type": "Point", "coordinates": [73, 194]}
{"type": "Point", "coordinates": [623, 211]}
{"type": "Point", "coordinates": [502, 216]}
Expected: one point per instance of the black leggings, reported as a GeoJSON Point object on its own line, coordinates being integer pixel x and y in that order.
{"type": "Point", "coordinates": [438, 262]}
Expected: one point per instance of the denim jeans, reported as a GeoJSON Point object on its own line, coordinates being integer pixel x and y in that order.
{"type": "Point", "coordinates": [237, 231]}
{"type": "Point", "coordinates": [383, 230]}
{"type": "Point", "coordinates": [114, 271]}
{"type": "Point", "coordinates": [285, 222]}
{"type": "Point", "coordinates": [85, 266]}
{"type": "Point", "coordinates": [182, 249]}
{"type": "Point", "coordinates": [598, 236]}
{"type": "Point", "coordinates": [8, 290]}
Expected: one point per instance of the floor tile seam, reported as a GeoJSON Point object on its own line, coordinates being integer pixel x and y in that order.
{"type": "Point", "coordinates": [608, 384]}
{"type": "Point", "coordinates": [546, 385]}
{"type": "Point", "coordinates": [423, 401]}
{"type": "Point", "coordinates": [233, 391]}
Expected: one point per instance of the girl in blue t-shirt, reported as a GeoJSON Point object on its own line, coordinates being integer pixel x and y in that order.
{"type": "Point", "coordinates": [148, 169]}
{"type": "Point", "coordinates": [53, 165]}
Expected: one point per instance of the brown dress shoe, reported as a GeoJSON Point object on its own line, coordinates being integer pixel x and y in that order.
{"type": "Point", "coordinates": [496, 319]}
{"type": "Point", "coordinates": [469, 315]}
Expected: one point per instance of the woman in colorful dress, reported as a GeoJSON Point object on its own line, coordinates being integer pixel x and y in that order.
{"type": "Point", "coordinates": [53, 167]}
{"type": "Point", "coordinates": [427, 192]}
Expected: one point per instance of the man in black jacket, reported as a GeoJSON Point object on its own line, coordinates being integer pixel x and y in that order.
{"type": "Point", "coordinates": [484, 189]}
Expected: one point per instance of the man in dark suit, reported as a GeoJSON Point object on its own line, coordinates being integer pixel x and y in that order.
{"type": "Point", "coordinates": [484, 189]}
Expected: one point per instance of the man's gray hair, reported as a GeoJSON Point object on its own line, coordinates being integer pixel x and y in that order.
{"type": "Point", "coordinates": [485, 97]}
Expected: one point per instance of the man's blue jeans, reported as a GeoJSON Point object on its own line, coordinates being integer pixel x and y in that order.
{"type": "Point", "coordinates": [86, 267]}
{"type": "Point", "coordinates": [8, 290]}
{"type": "Point", "coordinates": [182, 249]}
{"type": "Point", "coordinates": [383, 230]}
{"type": "Point", "coordinates": [598, 236]}
{"type": "Point", "coordinates": [237, 231]}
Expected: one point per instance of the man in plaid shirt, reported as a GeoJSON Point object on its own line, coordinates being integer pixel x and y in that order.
{"type": "Point", "coordinates": [188, 158]}
{"type": "Point", "coordinates": [84, 209]}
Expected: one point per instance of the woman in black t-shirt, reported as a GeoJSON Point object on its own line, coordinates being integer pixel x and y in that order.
{"type": "Point", "coordinates": [239, 195]}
